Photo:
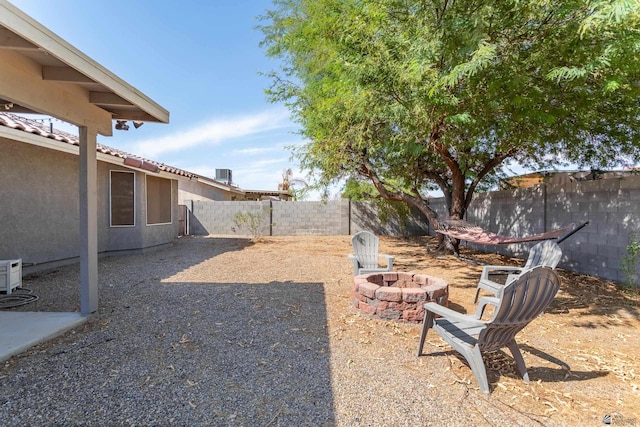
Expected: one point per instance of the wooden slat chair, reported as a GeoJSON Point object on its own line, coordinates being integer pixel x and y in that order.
{"type": "Point", "coordinates": [365, 254]}
{"type": "Point", "coordinates": [519, 303]}
{"type": "Point", "coordinates": [546, 253]}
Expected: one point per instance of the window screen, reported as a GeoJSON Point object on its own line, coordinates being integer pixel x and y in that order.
{"type": "Point", "coordinates": [158, 200]}
{"type": "Point", "coordinates": [122, 196]}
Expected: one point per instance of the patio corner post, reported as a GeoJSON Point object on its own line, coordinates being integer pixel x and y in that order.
{"type": "Point", "coordinates": [88, 221]}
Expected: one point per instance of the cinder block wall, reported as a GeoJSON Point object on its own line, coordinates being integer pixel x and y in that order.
{"type": "Point", "coordinates": [519, 212]}
{"type": "Point", "coordinates": [365, 216]}
{"type": "Point", "coordinates": [217, 217]}
{"type": "Point", "coordinates": [274, 218]}
{"type": "Point", "coordinates": [308, 218]}
{"type": "Point", "coordinates": [611, 206]}
{"type": "Point", "coordinates": [334, 217]}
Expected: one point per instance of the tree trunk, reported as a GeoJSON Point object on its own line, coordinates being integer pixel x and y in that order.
{"type": "Point", "coordinates": [446, 245]}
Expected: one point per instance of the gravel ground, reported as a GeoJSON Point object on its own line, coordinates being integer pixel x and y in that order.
{"type": "Point", "coordinates": [220, 331]}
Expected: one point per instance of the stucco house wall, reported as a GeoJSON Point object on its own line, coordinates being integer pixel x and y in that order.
{"type": "Point", "coordinates": [39, 208]}
{"type": "Point", "coordinates": [198, 191]}
{"type": "Point", "coordinates": [38, 203]}
{"type": "Point", "coordinates": [141, 236]}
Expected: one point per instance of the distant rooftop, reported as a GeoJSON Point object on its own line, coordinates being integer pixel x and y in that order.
{"type": "Point", "coordinates": [562, 177]}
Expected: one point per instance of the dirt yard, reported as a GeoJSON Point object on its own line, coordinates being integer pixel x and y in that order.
{"type": "Point", "coordinates": [581, 355]}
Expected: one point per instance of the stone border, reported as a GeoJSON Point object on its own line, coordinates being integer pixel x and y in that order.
{"type": "Point", "coordinates": [398, 296]}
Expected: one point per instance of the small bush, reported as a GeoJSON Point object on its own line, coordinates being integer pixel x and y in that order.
{"type": "Point", "coordinates": [252, 221]}
{"type": "Point", "coordinates": [630, 263]}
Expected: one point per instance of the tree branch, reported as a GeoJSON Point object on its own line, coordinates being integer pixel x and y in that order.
{"type": "Point", "coordinates": [494, 162]}
{"type": "Point", "coordinates": [398, 195]}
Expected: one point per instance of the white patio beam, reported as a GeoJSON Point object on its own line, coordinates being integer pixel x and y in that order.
{"type": "Point", "coordinates": [21, 82]}
{"type": "Point", "coordinates": [88, 221]}
{"type": "Point", "coordinates": [32, 31]}
{"type": "Point", "coordinates": [9, 40]}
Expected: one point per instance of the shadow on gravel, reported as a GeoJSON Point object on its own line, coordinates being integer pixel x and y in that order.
{"type": "Point", "coordinates": [186, 354]}
{"type": "Point", "coordinates": [175, 353]}
{"type": "Point", "coordinates": [501, 362]}
{"type": "Point", "coordinates": [58, 289]}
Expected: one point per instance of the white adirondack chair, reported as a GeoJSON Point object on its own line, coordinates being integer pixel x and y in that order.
{"type": "Point", "coordinates": [519, 303]}
{"type": "Point", "coordinates": [546, 253]}
{"type": "Point", "coordinates": [365, 255]}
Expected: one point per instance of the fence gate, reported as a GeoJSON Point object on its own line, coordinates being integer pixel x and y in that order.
{"type": "Point", "coordinates": [183, 222]}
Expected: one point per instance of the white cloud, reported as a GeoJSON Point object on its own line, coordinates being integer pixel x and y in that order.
{"type": "Point", "coordinates": [214, 132]}
{"type": "Point", "coordinates": [280, 147]}
{"type": "Point", "coordinates": [256, 150]}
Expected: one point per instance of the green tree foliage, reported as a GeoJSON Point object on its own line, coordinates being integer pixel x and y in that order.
{"type": "Point", "coordinates": [415, 95]}
{"type": "Point", "coordinates": [630, 264]}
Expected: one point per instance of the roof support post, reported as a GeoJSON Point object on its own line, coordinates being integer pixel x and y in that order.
{"type": "Point", "coordinates": [88, 221]}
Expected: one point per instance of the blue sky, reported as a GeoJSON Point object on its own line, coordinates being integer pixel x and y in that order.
{"type": "Point", "coordinates": [199, 59]}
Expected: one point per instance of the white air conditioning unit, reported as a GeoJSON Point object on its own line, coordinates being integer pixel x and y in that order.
{"type": "Point", "coordinates": [10, 275]}
{"type": "Point", "coordinates": [224, 175]}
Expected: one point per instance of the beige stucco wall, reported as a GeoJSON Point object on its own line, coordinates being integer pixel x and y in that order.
{"type": "Point", "coordinates": [198, 191]}
{"type": "Point", "coordinates": [39, 220]}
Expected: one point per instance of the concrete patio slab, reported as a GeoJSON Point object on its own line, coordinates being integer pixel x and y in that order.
{"type": "Point", "coordinates": [22, 330]}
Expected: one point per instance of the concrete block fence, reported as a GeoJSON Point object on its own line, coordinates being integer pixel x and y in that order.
{"type": "Point", "coordinates": [612, 207]}
{"type": "Point", "coordinates": [334, 217]}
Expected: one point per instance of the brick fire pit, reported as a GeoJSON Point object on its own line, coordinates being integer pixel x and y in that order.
{"type": "Point", "coordinates": [398, 296]}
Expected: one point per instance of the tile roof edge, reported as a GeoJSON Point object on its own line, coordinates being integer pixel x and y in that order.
{"type": "Point", "coordinates": [17, 122]}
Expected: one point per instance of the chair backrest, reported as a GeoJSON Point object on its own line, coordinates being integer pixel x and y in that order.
{"type": "Point", "coordinates": [365, 248]}
{"type": "Point", "coordinates": [521, 301]}
{"type": "Point", "coordinates": [546, 253]}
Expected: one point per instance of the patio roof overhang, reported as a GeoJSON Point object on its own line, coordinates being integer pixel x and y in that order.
{"type": "Point", "coordinates": [43, 74]}
{"type": "Point", "coordinates": [40, 73]}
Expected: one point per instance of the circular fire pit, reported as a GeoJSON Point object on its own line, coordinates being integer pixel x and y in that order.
{"type": "Point", "coordinates": [398, 296]}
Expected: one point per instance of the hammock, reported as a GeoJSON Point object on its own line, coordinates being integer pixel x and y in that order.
{"type": "Point", "coordinates": [472, 233]}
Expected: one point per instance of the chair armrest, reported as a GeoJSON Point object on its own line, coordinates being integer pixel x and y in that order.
{"type": "Point", "coordinates": [449, 314]}
{"type": "Point", "coordinates": [488, 269]}
{"type": "Point", "coordinates": [356, 264]}
{"type": "Point", "coordinates": [390, 259]}
{"type": "Point", "coordinates": [484, 301]}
